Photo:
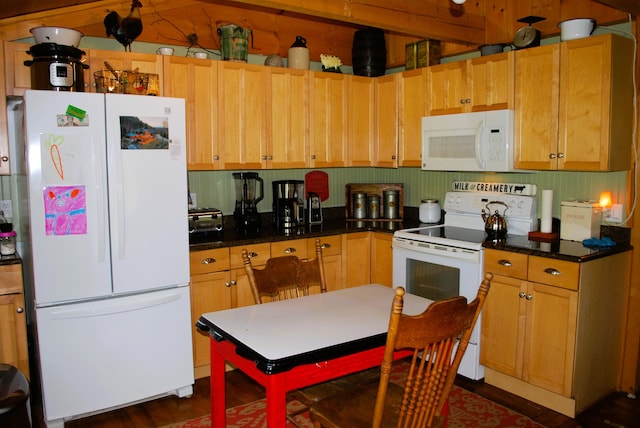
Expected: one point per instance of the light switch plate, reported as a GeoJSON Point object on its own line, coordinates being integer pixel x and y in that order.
{"type": "Point", "coordinates": [615, 214]}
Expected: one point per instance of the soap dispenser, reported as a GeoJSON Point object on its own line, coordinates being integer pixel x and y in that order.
{"type": "Point", "coordinates": [298, 54]}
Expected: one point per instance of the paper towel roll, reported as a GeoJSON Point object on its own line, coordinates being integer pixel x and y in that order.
{"type": "Point", "coordinates": [547, 209]}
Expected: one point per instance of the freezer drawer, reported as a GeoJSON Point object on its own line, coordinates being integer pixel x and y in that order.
{"type": "Point", "coordinates": [103, 354]}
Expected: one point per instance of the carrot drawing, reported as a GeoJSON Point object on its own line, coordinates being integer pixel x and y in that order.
{"type": "Point", "coordinates": [54, 152]}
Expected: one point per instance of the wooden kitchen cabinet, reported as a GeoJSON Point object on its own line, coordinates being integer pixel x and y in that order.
{"type": "Point", "coordinates": [210, 291]}
{"type": "Point", "coordinates": [196, 80]}
{"type": "Point", "coordinates": [241, 290]}
{"type": "Point", "coordinates": [412, 107]}
{"type": "Point", "coordinates": [332, 258]}
{"type": "Point", "coordinates": [120, 60]}
{"type": "Point", "coordinates": [356, 259]}
{"type": "Point", "coordinates": [243, 122]}
{"type": "Point", "coordinates": [386, 121]}
{"type": "Point", "coordinates": [288, 118]}
{"type": "Point", "coordinates": [574, 106]}
{"type": "Point", "coordinates": [17, 75]}
{"type": "Point", "coordinates": [361, 122]}
{"type": "Point", "coordinates": [328, 120]}
{"type": "Point", "coordinates": [382, 259]}
{"type": "Point", "coordinates": [477, 84]}
{"type": "Point", "coordinates": [13, 322]}
{"type": "Point", "coordinates": [551, 332]}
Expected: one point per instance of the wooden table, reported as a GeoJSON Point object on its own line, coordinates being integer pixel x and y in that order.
{"type": "Point", "coordinates": [295, 343]}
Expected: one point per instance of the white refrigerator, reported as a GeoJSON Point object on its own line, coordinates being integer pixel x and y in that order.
{"type": "Point", "coordinates": [105, 248]}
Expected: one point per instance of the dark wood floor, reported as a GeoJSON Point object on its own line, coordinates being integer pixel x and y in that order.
{"type": "Point", "coordinates": [616, 411]}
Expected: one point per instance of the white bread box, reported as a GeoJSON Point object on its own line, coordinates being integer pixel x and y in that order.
{"type": "Point", "coordinates": [580, 220]}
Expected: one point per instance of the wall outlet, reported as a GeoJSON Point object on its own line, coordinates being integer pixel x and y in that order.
{"type": "Point", "coordinates": [615, 214]}
{"type": "Point", "coordinates": [7, 208]}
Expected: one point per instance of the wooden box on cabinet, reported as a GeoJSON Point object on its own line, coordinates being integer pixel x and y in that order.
{"type": "Point", "coordinates": [373, 189]}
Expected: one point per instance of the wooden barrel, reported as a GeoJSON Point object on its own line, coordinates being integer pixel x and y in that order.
{"type": "Point", "coordinates": [369, 52]}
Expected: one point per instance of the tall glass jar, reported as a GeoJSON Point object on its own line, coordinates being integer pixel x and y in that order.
{"type": "Point", "coordinates": [8, 243]}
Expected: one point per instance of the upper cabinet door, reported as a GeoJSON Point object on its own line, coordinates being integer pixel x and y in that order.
{"type": "Point", "coordinates": [128, 61]}
{"type": "Point", "coordinates": [596, 104]}
{"type": "Point", "coordinates": [288, 118]}
{"type": "Point", "coordinates": [446, 88]}
{"type": "Point", "coordinates": [536, 107]}
{"type": "Point", "coordinates": [361, 120]}
{"type": "Point", "coordinates": [196, 81]}
{"type": "Point", "coordinates": [242, 115]}
{"type": "Point", "coordinates": [412, 107]}
{"type": "Point", "coordinates": [490, 82]}
{"type": "Point", "coordinates": [328, 120]}
{"type": "Point", "coordinates": [17, 75]}
{"type": "Point", "coordinates": [386, 121]}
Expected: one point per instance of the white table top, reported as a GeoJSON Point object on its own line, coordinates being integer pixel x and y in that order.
{"type": "Point", "coordinates": [299, 328]}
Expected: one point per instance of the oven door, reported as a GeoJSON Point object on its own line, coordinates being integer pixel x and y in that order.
{"type": "Point", "coordinates": [439, 272]}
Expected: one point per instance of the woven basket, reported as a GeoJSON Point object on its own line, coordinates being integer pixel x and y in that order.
{"type": "Point", "coordinates": [127, 82]}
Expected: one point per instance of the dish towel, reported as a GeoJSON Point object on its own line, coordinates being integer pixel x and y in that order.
{"type": "Point", "coordinates": [595, 242]}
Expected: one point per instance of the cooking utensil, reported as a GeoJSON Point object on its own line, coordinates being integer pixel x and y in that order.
{"type": "Point", "coordinates": [58, 35]}
{"type": "Point", "coordinates": [579, 28]}
{"type": "Point", "coordinates": [492, 49]}
{"type": "Point", "coordinates": [495, 224]}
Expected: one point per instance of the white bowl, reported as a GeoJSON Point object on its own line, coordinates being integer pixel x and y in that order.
{"type": "Point", "coordinates": [572, 29]}
{"type": "Point", "coordinates": [58, 35]}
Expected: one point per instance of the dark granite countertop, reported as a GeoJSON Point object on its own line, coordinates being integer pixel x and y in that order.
{"type": "Point", "coordinates": [335, 224]}
{"type": "Point", "coordinates": [10, 260]}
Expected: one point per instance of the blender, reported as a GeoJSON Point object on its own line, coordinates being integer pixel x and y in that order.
{"type": "Point", "coordinates": [246, 214]}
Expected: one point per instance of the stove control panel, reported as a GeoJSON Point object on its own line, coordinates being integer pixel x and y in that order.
{"type": "Point", "coordinates": [473, 203]}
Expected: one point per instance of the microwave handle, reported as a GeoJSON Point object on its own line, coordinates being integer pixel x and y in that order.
{"type": "Point", "coordinates": [479, 131]}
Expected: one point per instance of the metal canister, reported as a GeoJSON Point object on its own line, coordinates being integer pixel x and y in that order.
{"type": "Point", "coordinates": [390, 202]}
{"type": "Point", "coordinates": [359, 205]}
{"type": "Point", "coordinates": [373, 206]}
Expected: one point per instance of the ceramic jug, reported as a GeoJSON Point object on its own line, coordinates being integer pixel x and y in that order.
{"type": "Point", "coordinates": [299, 54]}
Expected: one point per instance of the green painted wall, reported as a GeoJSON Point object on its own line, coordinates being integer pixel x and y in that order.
{"type": "Point", "coordinates": [216, 188]}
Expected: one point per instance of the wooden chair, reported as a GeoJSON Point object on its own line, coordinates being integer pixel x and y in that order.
{"type": "Point", "coordinates": [432, 336]}
{"type": "Point", "coordinates": [285, 277]}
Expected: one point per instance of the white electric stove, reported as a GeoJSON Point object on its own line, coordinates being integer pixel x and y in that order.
{"type": "Point", "coordinates": [438, 261]}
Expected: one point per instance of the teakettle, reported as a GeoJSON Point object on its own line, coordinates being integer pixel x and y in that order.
{"type": "Point", "coordinates": [495, 224]}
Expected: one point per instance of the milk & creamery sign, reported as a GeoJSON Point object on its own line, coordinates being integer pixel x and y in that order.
{"type": "Point", "coordinates": [480, 186]}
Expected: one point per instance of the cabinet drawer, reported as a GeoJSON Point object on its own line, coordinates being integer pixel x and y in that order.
{"type": "Point", "coordinates": [506, 263]}
{"type": "Point", "coordinates": [559, 273]}
{"type": "Point", "coordinates": [259, 253]}
{"type": "Point", "coordinates": [295, 247]}
{"type": "Point", "coordinates": [209, 261]}
{"type": "Point", "coordinates": [331, 246]}
{"type": "Point", "coordinates": [11, 279]}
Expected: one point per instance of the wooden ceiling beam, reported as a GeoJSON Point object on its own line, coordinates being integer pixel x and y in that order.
{"type": "Point", "coordinates": [628, 6]}
{"type": "Point", "coordinates": [436, 19]}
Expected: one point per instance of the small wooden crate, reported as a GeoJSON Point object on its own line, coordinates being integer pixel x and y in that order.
{"type": "Point", "coordinates": [373, 189]}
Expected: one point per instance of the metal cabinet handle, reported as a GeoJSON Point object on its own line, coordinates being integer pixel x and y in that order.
{"type": "Point", "coordinates": [216, 157]}
{"type": "Point", "coordinates": [504, 262]}
{"type": "Point", "coordinates": [552, 271]}
{"type": "Point", "coordinates": [529, 297]}
{"type": "Point", "coordinates": [552, 156]}
{"type": "Point", "coordinates": [560, 155]}
{"type": "Point", "coordinates": [207, 261]}
{"type": "Point", "coordinates": [227, 284]}
{"type": "Point", "coordinates": [313, 157]}
{"type": "Point", "coordinates": [5, 158]}
{"type": "Point", "coordinates": [234, 282]}
{"type": "Point", "coordinates": [393, 157]}
{"type": "Point", "coordinates": [252, 254]}
{"type": "Point", "coordinates": [521, 294]}
{"type": "Point", "coordinates": [20, 310]}
{"type": "Point", "coordinates": [289, 250]}
{"type": "Point", "coordinates": [465, 101]}
{"type": "Point", "coordinates": [325, 246]}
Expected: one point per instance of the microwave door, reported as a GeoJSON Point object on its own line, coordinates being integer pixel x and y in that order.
{"type": "Point", "coordinates": [479, 146]}
{"type": "Point", "coordinates": [453, 150]}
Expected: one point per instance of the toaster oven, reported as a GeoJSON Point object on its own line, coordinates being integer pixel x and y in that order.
{"type": "Point", "coordinates": [205, 220]}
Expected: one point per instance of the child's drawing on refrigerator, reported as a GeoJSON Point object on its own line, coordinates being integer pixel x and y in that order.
{"type": "Point", "coordinates": [65, 210]}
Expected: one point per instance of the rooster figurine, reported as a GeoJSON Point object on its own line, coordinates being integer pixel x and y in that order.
{"type": "Point", "coordinates": [125, 30]}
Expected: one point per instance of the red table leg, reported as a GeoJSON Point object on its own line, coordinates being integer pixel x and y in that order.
{"type": "Point", "coordinates": [276, 402]}
{"type": "Point", "coordinates": [218, 400]}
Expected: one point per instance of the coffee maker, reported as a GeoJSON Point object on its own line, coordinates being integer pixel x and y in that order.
{"type": "Point", "coordinates": [246, 214]}
{"type": "Point", "coordinates": [288, 203]}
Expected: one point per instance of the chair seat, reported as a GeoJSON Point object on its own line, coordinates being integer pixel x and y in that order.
{"type": "Point", "coordinates": [312, 394]}
{"type": "Point", "coordinates": [354, 408]}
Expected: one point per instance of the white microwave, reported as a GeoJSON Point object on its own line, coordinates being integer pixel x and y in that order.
{"type": "Point", "coordinates": [478, 141]}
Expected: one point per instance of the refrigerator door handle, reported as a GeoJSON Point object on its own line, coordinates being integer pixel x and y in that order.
{"type": "Point", "coordinates": [101, 211]}
{"type": "Point", "coordinates": [118, 201]}
{"type": "Point", "coordinates": [109, 308]}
